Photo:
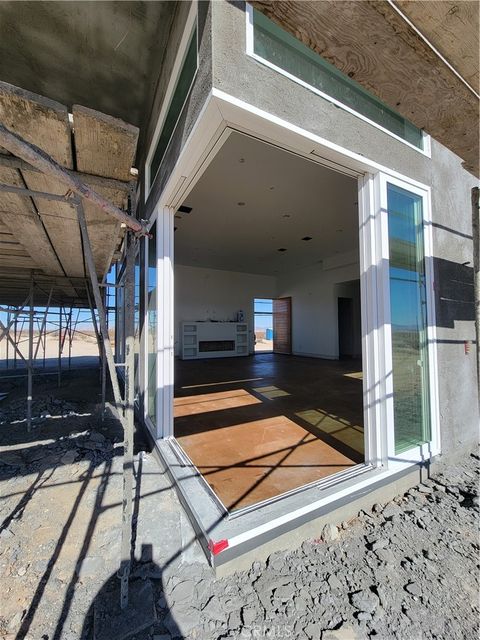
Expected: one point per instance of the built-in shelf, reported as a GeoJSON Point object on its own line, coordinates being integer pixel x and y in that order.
{"type": "Point", "coordinates": [214, 339]}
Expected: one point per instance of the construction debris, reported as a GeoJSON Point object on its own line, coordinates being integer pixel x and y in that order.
{"type": "Point", "coordinates": [406, 569]}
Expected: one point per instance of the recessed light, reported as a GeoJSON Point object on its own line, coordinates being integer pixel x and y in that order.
{"type": "Point", "coordinates": [307, 238]}
{"type": "Point", "coordinates": [241, 204]}
{"type": "Point", "coordinates": [281, 249]}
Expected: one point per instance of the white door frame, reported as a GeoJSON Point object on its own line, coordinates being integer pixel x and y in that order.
{"type": "Point", "coordinates": [222, 114]}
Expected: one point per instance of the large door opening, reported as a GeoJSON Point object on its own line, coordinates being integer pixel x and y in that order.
{"type": "Point", "coordinates": [267, 226]}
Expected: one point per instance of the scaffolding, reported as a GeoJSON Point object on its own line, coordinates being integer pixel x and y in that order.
{"type": "Point", "coordinates": [30, 324]}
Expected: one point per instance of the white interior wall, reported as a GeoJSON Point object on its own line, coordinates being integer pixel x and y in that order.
{"type": "Point", "coordinates": [211, 294]}
{"type": "Point", "coordinates": [314, 292]}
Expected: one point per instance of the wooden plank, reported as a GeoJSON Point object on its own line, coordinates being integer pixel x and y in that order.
{"type": "Point", "coordinates": [60, 221]}
{"type": "Point", "coordinates": [19, 216]}
{"type": "Point", "coordinates": [384, 54]}
{"type": "Point", "coordinates": [39, 120]}
{"type": "Point", "coordinates": [103, 230]}
{"type": "Point", "coordinates": [104, 146]}
{"type": "Point", "coordinates": [452, 27]}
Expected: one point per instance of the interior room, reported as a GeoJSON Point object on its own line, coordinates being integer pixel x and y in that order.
{"type": "Point", "coordinates": [267, 255]}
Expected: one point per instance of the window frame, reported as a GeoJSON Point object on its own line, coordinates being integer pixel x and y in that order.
{"type": "Point", "coordinates": [426, 150]}
{"type": "Point", "coordinates": [190, 25]}
{"type": "Point", "coordinates": [431, 448]}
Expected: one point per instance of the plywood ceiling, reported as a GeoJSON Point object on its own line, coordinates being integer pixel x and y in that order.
{"type": "Point", "coordinates": [453, 28]}
{"type": "Point", "coordinates": [255, 199]}
{"type": "Point", "coordinates": [373, 44]}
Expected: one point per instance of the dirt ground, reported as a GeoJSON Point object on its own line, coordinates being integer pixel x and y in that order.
{"type": "Point", "coordinates": [408, 569]}
{"type": "Point", "coordinates": [82, 346]}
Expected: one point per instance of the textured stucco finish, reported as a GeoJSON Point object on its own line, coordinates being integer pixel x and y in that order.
{"type": "Point", "coordinates": [239, 75]}
{"type": "Point", "coordinates": [200, 90]}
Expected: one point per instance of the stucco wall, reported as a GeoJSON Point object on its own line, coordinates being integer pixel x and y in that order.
{"type": "Point", "coordinates": [239, 75]}
{"type": "Point", "coordinates": [195, 101]}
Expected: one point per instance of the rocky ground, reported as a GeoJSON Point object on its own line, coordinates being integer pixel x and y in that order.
{"type": "Point", "coordinates": [408, 569]}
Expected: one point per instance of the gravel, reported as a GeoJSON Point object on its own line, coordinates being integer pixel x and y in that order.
{"type": "Point", "coordinates": [407, 569]}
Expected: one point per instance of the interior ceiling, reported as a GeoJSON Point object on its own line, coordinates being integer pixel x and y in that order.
{"type": "Point", "coordinates": [98, 54]}
{"type": "Point", "coordinates": [285, 198]}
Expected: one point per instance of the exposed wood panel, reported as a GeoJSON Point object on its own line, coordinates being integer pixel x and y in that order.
{"type": "Point", "coordinates": [39, 120]}
{"type": "Point", "coordinates": [371, 43]}
{"type": "Point", "coordinates": [19, 217]}
{"type": "Point", "coordinates": [282, 325]}
{"type": "Point", "coordinates": [452, 27]}
{"type": "Point", "coordinates": [40, 235]}
{"type": "Point", "coordinates": [105, 146]}
{"type": "Point", "coordinates": [60, 221]}
{"type": "Point", "coordinates": [103, 230]}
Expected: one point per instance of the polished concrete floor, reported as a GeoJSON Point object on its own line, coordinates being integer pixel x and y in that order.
{"type": "Point", "coordinates": [261, 425]}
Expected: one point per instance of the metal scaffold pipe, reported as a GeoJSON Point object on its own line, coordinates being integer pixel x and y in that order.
{"type": "Point", "coordinates": [47, 165]}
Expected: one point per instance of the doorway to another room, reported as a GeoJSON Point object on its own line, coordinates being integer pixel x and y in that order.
{"type": "Point", "coordinates": [264, 402]}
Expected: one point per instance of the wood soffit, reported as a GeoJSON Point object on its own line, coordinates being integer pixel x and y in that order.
{"type": "Point", "coordinates": [388, 57]}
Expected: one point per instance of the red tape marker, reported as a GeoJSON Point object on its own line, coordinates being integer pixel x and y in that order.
{"type": "Point", "coordinates": [217, 547]}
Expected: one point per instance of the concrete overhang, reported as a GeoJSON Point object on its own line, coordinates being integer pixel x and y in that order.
{"type": "Point", "coordinates": [419, 57]}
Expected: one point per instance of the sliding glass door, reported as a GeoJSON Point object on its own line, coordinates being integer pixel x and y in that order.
{"type": "Point", "coordinates": [151, 355]}
{"type": "Point", "coordinates": [408, 302]}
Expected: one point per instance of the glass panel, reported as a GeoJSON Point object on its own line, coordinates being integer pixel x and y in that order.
{"type": "Point", "coordinates": [179, 96]}
{"type": "Point", "coordinates": [263, 318]}
{"type": "Point", "coordinates": [282, 49]}
{"type": "Point", "coordinates": [137, 324]}
{"type": "Point", "coordinates": [152, 326]}
{"type": "Point", "coordinates": [408, 318]}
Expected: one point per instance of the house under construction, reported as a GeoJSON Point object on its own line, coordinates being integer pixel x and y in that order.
{"type": "Point", "coordinates": [293, 255]}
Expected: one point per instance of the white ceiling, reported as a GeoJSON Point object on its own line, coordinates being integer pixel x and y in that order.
{"type": "Point", "coordinates": [285, 199]}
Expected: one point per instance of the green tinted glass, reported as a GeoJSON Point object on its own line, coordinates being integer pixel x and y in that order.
{"type": "Point", "coordinates": [152, 326]}
{"type": "Point", "coordinates": [179, 96]}
{"type": "Point", "coordinates": [284, 50]}
{"type": "Point", "coordinates": [408, 307]}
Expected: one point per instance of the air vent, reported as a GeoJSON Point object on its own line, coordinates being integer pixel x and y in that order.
{"type": "Point", "coordinates": [184, 209]}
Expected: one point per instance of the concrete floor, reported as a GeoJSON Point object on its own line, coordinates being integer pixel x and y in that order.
{"type": "Point", "coordinates": [259, 426]}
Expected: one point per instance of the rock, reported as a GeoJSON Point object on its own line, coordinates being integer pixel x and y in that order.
{"type": "Point", "coordinates": [96, 436]}
{"type": "Point", "coordinates": [285, 592]}
{"type": "Point", "coordinates": [363, 615]}
{"type": "Point", "coordinates": [365, 601]}
{"type": "Point", "coordinates": [330, 533]}
{"type": "Point", "coordinates": [391, 510]}
{"type": "Point", "coordinates": [184, 591]}
{"type": "Point", "coordinates": [22, 571]}
{"type": "Point", "coordinates": [249, 615]}
{"type": "Point", "coordinates": [5, 534]}
{"type": "Point", "coordinates": [69, 456]}
{"type": "Point", "coordinates": [413, 588]}
{"type": "Point", "coordinates": [423, 488]}
{"type": "Point", "coordinates": [313, 631]}
{"type": "Point", "coordinates": [345, 632]}
{"type": "Point", "coordinates": [334, 583]}
{"type": "Point", "coordinates": [386, 556]}
{"type": "Point", "coordinates": [381, 543]}
{"type": "Point", "coordinates": [214, 610]}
